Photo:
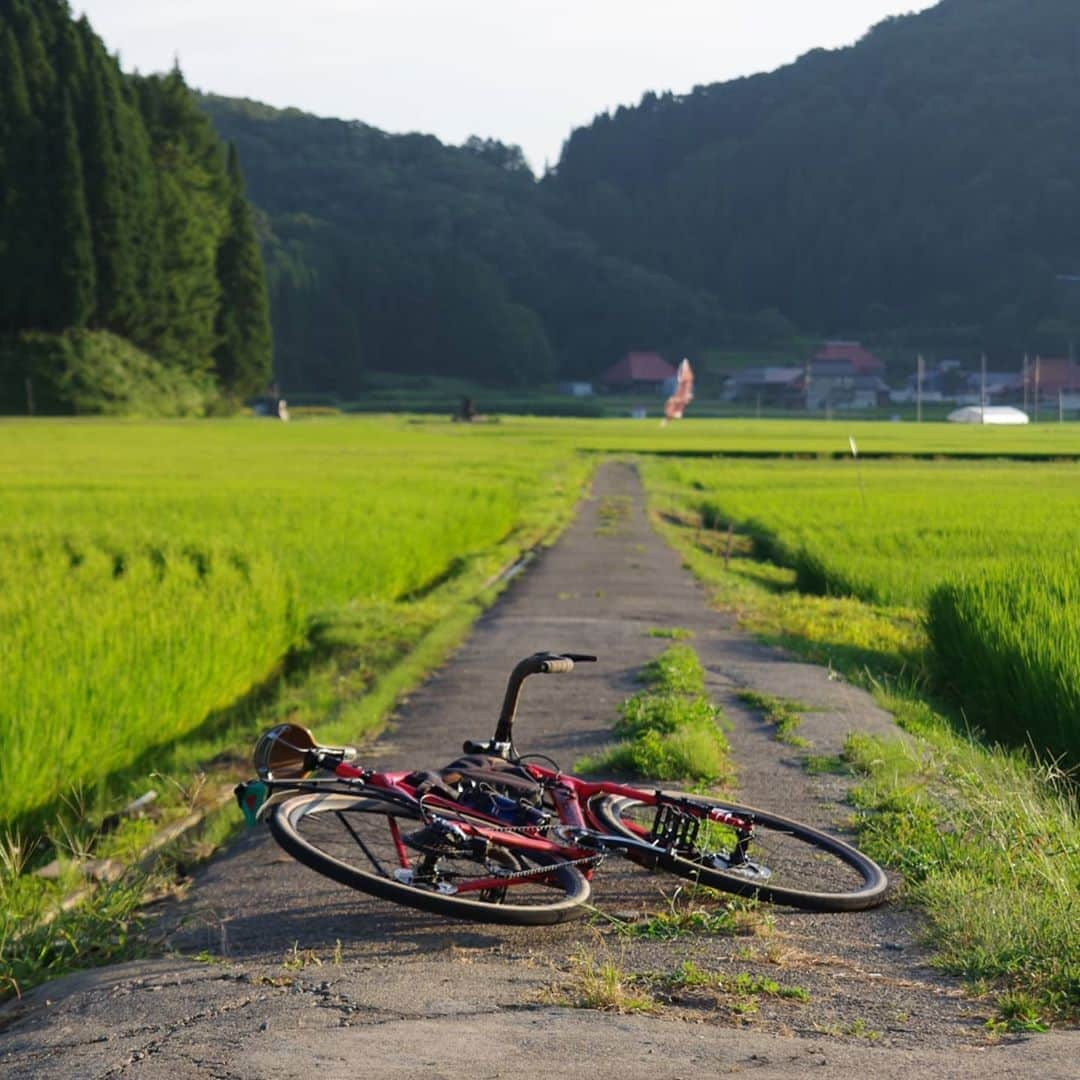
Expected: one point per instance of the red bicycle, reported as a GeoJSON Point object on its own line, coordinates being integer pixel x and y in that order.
{"type": "Point", "coordinates": [502, 837]}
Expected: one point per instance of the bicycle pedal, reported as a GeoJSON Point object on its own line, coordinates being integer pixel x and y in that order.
{"type": "Point", "coordinates": [675, 829]}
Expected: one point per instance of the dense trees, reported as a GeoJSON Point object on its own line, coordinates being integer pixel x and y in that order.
{"type": "Point", "coordinates": [396, 253]}
{"type": "Point", "coordinates": [118, 212]}
{"type": "Point", "coordinates": [925, 178]}
{"type": "Point", "coordinates": [920, 187]}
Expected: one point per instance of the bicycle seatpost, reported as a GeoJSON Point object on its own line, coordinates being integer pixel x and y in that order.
{"type": "Point", "coordinates": [538, 664]}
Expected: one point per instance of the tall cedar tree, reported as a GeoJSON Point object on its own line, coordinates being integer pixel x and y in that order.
{"type": "Point", "coordinates": [73, 283]}
{"type": "Point", "coordinates": [244, 348]}
{"type": "Point", "coordinates": [115, 203]}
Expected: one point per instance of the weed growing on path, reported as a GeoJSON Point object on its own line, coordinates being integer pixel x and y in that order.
{"type": "Point", "coordinates": [784, 714]}
{"type": "Point", "coordinates": [669, 731]}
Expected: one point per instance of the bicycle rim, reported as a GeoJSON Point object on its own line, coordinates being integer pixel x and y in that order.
{"type": "Point", "coordinates": [788, 862]}
{"type": "Point", "coordinates": [355, 841]}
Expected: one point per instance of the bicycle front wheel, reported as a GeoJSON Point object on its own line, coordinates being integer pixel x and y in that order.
{"type": "Point", "coordinates": [785, 862]}
{"type": "Point", "coordinates": [388, 850]}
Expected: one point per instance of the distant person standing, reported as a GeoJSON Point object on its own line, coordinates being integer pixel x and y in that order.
{"type": "Point", "coordinates": [466, 411]}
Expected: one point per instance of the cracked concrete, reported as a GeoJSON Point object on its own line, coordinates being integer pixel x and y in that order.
{"type": "Point", "coordinates": [300, 976]}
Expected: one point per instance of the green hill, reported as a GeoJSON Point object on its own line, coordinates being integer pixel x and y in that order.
{"type": "Point", "coordinates": [395, 253]}
{"type": "Point", "coordinates": [925, 180]}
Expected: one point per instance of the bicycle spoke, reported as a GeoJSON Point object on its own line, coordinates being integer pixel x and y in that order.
{"type": "Point", "coordinates": [359, 840]}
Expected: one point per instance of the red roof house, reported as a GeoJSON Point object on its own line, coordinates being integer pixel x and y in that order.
{"type": "Point", "coordinates": [852, 352]}
{"type": "Point", "coordinates": [1055, 375]}
{"type": "Point", "coordinates": [638, 369]}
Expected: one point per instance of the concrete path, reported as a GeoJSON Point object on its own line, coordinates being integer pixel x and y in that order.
{"type": "Point", "coordinates": [272, 971]}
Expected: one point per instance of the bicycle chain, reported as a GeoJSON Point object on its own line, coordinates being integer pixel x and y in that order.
{"type": "Point", "coordinates": [518, 875]}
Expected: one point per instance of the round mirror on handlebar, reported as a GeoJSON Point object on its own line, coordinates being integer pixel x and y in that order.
{"type": "Point", "coordinates": [282, 752]}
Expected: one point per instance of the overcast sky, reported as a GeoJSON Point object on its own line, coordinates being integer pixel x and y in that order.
{"type": "Point", "coordinates": [524, 71]}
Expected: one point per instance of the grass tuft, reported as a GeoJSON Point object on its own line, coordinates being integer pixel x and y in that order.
{"type": "Point", "coordinates": [784, 714]}
{"type": "Point", "coordinates": [670, 731]}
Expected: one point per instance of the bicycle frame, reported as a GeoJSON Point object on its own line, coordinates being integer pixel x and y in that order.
{"type": "Point", "coordinates": [578, 836]}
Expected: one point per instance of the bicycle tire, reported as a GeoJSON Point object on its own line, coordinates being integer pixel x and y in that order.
{"type": "Point", "coordinates": [314, 829]}
{"type": "Point", "coordinates": [806, 868]}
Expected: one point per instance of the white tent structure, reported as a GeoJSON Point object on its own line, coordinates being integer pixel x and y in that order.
{"type": "Point", "coordinates": [988, 414]}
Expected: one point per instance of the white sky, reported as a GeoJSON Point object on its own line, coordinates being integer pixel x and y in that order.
{"type": "Point", "coordinates": [524, 71]}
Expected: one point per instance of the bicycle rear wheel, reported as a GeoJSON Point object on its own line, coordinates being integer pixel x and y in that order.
{"type": "Point", "coordinates": [387, 850]}
{"type": "Point", "coordinates": [786, 862]}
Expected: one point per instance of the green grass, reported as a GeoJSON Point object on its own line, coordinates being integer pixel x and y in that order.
{"type": "Point", "coordinates": [784, 714]}
{"type": "Point", "coordinates": [152, 575]}
{"type": "Point", "coordinates": [671, 633]}
{"type": "Point", "coordinates": [978, 557]}
{"type": "Point", "coordinates": [669, 731]}
{"type": "Point", "coordinates": [990, 851]}
{"type": "Point", "coordinates": [1005, 647]}
{"type": "Point", "coordinates": [988, 843]}
{"type": "Point", "coordinates": [787, 437]}
{"type": "Point", "coordinates": [677, 670]}
{"type": "Point", "coordinates": [695, 912]}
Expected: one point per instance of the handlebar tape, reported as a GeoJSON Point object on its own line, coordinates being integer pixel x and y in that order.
{"type": "Point", "coordinates": [557, 665]}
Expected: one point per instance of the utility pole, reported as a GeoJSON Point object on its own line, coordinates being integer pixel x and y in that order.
{"type": "Point", "coordinates": [1025, 371]}
{"type": "Point", "coordinates": [1061, 406]}
{"type": "Point", "coordinates": [982, 392]}
{"type": "Point", "coordinates": [1038, 364]}
{"type": "Point", "coordinates": [920, 367]}
{"type": "Point", "coordinates": [29, 395]}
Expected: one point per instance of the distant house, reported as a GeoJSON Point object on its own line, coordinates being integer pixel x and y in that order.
{"type": "Point", "coordinates": [770, 386]}
{"type": "Point", "coordinates": [1054, 376]}
{"type": "Point", "coordinates": [638, 371]}
{"type": "Point", "coordinates": [850, 352]}
{"type": "Point", "coordinates": [1001, 387]}
{"type": "Point", "coordinates": [845, 383]}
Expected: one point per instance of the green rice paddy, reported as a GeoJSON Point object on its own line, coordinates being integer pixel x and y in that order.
{"type": "Point", "coordinates": [986, 551]}
{"type": "Point", "coordinates": [152, 574]}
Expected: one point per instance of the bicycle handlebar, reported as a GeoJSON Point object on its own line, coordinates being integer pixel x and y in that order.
{"type": "Point", "coordinates": [541, 663]}
{"type": "Point", "coordinates": [557, 665]}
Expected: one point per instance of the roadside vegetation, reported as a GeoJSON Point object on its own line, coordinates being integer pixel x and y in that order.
{"type": "Point", "coordinates": [987, 839]}
{"type": "Point", "coordinates": [983, 555]}
{"type": "Point", "coordinates": [670, 730]}
{"type": "Point", "coordinates": [181, 587]}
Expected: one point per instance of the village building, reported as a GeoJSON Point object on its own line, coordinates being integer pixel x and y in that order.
{"type": "Point", "coordinates": [840, 383]}
{"type": "Point", "coordinates": [638, 371]}
{"type": "Point", "coordinates": [861, 361]}
{"type": "Point", "coordinates": [772, 387]}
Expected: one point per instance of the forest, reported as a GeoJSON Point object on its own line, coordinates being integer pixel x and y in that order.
{"type": "Point", "coordinates": [397, 253]}
{"type": "Point", "coordinates": [130, 272]}
{"type": "Point", "coordinates": [922, 183]}
{"type": "Point", "coordinates": [917, 190]}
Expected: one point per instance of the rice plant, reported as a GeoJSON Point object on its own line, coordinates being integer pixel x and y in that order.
{"type": "Point", "coordinates": [151, 574]}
